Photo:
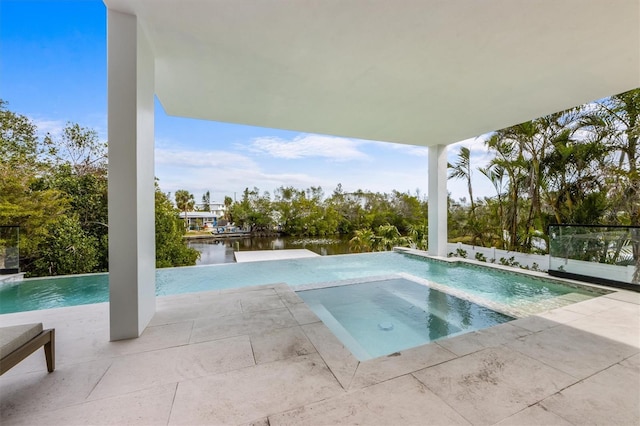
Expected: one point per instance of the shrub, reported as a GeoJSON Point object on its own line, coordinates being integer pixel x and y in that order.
{"type": "Point", "coordinates": [461, 253]}
{"type": "Point", "coordinates": [509, 262]}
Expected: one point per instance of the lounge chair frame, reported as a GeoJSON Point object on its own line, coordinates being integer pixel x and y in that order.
{"type": "Point", "coordinates": [46, 338]}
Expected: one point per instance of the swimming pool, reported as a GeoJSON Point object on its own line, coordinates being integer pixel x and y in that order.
{"type": "Point", "coordinates": [503, 287]}
{"type": "Point", "coordinates": [382, 317]}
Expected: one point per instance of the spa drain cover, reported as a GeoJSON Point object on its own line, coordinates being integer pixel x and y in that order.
{"type": "Point", "coordinates": [385, 326]}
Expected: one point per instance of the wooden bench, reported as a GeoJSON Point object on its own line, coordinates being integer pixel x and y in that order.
{"type": "Point", "coordinates": [19, 341]}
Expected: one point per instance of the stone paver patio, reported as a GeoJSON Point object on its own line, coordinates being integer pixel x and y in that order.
{"type": "Point", "coordinates": [259, 356]}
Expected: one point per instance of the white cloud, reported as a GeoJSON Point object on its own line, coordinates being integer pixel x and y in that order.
{"type": "Point", "coordinates": [201, 159]}
{"type": "Point", "coordinates": [310, 145]}
{"type": "Point", "coordinates": [53, 127]}
{"type": "Point", "coordinates": [222, 173]}
{"type": "Point", "coordinates": [227, 173]}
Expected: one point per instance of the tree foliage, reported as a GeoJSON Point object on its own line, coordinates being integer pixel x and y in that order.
{"type": "Point", "coordinates": [185, 202]}
{"type": "Point", "coordinates": [22, 203]}
{"type": "Point", "coordinates": [309, 213]}
{"type": "Point", "coordinates": [170, 247]}
{"type": "Point", "coordinates": [55, 189]}
{"type": "Point", "coordinates": [578, 166]}
{"type": "Point", "coordinates": [66, 249]}
{"type": "Point", "coordinates": [206, 200]}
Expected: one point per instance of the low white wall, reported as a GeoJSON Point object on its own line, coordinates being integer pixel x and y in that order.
{"type": "Point", "coordinates": [592, 269]}
{"type": "Point", "coordinates": [544, 262]}
{"type": "Point", "coordinates": [533, 261]}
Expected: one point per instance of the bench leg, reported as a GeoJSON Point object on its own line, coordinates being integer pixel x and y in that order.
{"type": "Point", "coordinates": [50, 351]}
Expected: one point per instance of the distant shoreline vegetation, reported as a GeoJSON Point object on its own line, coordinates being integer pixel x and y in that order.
{"type": "Point", "coordinates": [577, 166]}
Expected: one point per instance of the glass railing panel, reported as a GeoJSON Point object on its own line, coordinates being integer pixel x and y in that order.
{"type": "Point", "coordinates": [9, 252]}
{"type": "Point", "coordinates": [601, 254]}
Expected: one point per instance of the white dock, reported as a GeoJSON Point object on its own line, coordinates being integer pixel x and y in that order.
{"type": "Point", "coordinates": [260, 255]}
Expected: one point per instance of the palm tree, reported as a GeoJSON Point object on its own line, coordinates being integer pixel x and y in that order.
{"type": "Point", "coordinates": [462, 170]}
{"type": "Point", "coordinates": [496, 174]}
{"type": "Point", "coordinates": [615, 122]}
{"type": "Point", "coordinates": [185, 203]}
{"type": "Point", "coordinates": [228, 201]}
{"type": "Point", "coordinates": [509, 158]}
{"type": "Point", "coordinates": [206, 201]}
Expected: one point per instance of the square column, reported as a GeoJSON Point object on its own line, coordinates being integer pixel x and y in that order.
{"type": "Point", "coordinates": [130, 65]}
{"type": "Point", "coordinates": [437, 198]}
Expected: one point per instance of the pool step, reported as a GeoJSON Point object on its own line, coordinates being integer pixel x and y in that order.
{"type": "Point", "coordinates": [554, 303]}
{"type": "Point", "coordinates": [340, 332]}
{"type": "Point", "coordinates": [511, 311]}
{"type": "Point", "coordinates": [421, 305]}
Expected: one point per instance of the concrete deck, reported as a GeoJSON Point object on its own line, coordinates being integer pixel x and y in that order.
{"type": "Point", "coordinates": [260, 255]}
{"type": "Point", "coordinates": [260, 356]}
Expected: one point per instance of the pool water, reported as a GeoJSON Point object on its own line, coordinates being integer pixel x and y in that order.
{"type": "Point", "coordinates": [378, 318]}
{"type": "Point", "coordinates": [506, 288]}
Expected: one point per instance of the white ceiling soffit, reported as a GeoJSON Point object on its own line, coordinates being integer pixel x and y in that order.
{"type": "Point", "coordinates": [417, 72]}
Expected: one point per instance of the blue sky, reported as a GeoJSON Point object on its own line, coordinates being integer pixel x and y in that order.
{"type": "Point", "coordinates": [53, 70]}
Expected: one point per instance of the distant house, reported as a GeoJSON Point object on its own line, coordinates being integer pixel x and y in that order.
{"type": "Point", "coordinates": [201, 220]}
{"type": "Point", "coordinates": [215, 208]}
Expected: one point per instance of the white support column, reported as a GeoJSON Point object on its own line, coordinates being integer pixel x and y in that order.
{"type": "Point", "coordinates": [437, 199]}
{"type": "Point", "coordinates": [130, 67]}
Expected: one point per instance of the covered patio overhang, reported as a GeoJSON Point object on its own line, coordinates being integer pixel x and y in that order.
{"type": "Point", "coordinates": [428, 72]}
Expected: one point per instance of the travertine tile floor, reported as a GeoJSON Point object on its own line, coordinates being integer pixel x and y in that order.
{"type": "Point", "coordinates": [260, 356]}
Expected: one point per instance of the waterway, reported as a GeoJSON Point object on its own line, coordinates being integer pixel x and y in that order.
{"type": "Point", "coordinates": [221, 251]}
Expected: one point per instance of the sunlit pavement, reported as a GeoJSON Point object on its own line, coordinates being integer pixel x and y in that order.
{"type": "Point", "coordinates": [259, 356]}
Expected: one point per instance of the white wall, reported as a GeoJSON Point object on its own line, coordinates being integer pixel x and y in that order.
{"type": "Point", "coordinates": [592, 269]}
{"type": "Point", "coordinates": [541, 261]}
{"type": "Point", "coordinates": [544, 263]}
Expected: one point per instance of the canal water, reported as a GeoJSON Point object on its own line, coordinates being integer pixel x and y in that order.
{"type": "Point", "coordinates": [221, 251]}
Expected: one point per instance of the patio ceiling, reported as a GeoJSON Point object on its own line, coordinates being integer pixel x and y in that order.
{"type": "Point", "coordinates": [418, 72]}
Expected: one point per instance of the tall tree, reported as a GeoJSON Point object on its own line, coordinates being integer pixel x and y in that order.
{"type": "Point", "coordinates": [77, 147]}
{"type": "Point", "coordinates": [79, 170]}
{"type": "Point", "coordinates": [615, 121]}
{"type": "Point", "coordinates": [22, 203]}
{"type": "Point", "coordinates": [206, 201]}
{"type": "Point", "coordinates": [509, 157]}
{"type": "Point", "coordinates": [228, 202]}
{"type": "Point", "coordinates": [171, 249]}
{"type": "Point", "coordinates": [185, 203]}
{"type": "Point", "coordinates": [254, 212]}
{"type": "Point", "coordinates": [495, 174]}
{"type": "Point", "coordinates": [462, 169]}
